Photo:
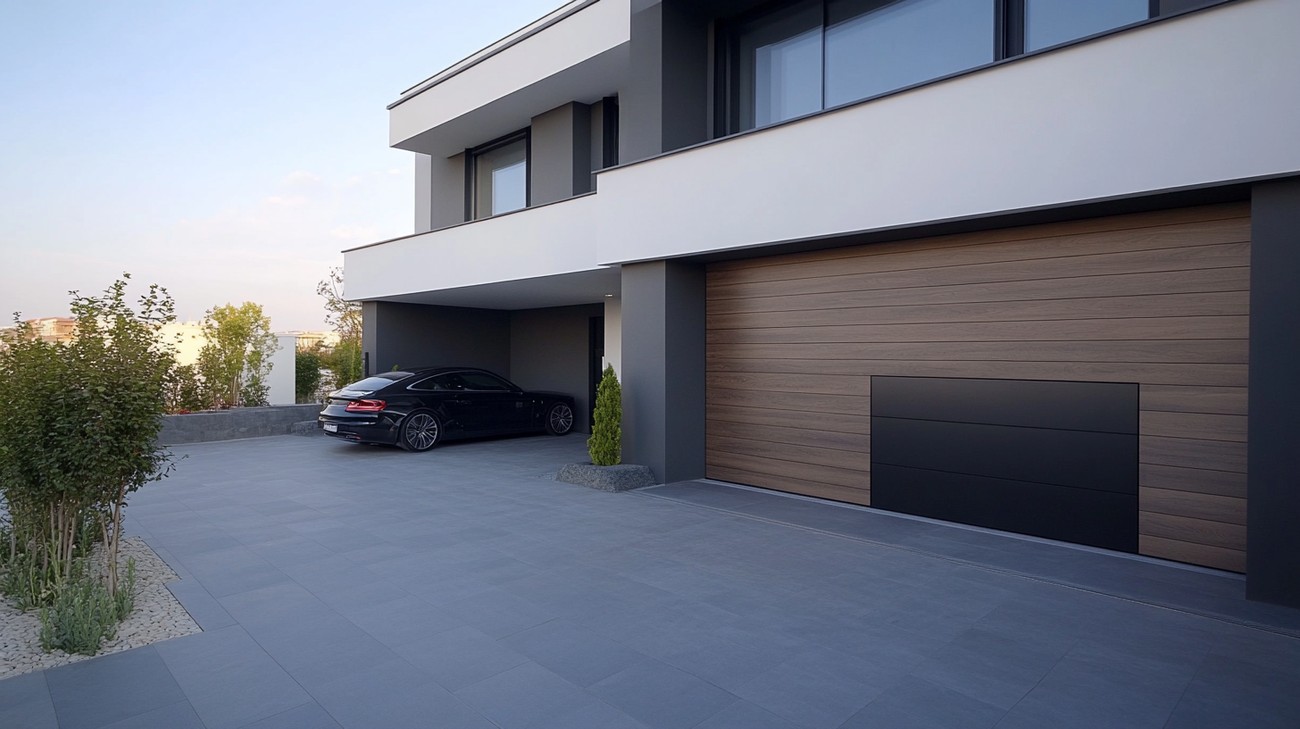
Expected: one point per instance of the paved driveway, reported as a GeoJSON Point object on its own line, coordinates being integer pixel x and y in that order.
{"type": "Point", "coordinates": [345, 586]}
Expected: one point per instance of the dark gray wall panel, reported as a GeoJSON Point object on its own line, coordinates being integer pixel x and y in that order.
{"type": "Point", "coordinates": [948, 453]}
{"type": "Point", "coordinates": [1273, 451]}
{"type": "Point", "coordinates": [665, 102]}
{"type": "Point", "coordinates": [549, 350]}
{"type": "Point", "coordinates": [411, 335]}
{"type": "Point", "coordinates": [1068, 405]}
{"type": "Point", "coordinates": [663, 368]}
{"type": "Point", "coordinates": [1098, 461]}
{"type": "Point", "coordinates": [1096, 518]}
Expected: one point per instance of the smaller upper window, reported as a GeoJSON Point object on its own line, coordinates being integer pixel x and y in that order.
{"type": "Point", "coordinates": [499, 176]}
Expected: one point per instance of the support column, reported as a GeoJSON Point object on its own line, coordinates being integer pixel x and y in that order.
{"type": "Point", "coordinates": [1272, 456]}
{"type": "Point", "coordinates": [663, 368]}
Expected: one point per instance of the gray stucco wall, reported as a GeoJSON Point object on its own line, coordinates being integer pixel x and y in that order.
{"type": "Point", "coordinates": [549, 350]}
{"type": "Point", "coordinates": [446, 191]}
{"type": "Point", "coordinates": [411, 335]}
{"type": "Point", "coordinates": [665, 102]}
{"type": "Point", "coordinates": [560, 163]}
{"type": "Point", "coordinates": [664, 368]}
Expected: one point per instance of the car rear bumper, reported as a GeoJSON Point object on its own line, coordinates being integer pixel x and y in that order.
{"type": "Point", "coordinates": [379, 430]}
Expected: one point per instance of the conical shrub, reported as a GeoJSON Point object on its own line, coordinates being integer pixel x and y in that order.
{"type": "Point", "coordinates": [606, 442]}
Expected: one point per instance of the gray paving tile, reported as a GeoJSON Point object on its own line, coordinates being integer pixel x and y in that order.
{"type": "Point", "coordinates": [524, 695]}
{"type": "Point", "coordinates": [915, 703]}
{"type": "Point", "coordinates": [744, 715]}
{"type": "Point", "coordinates": [659, 695]}
{"type": "Point", "coordinates": [459, 657]}
{"type": "Point", "coordinates": [394, 695]}
{"type": "Point", "coordinates": [315, 652]}
{"type": "Point", "coordinates": [499, 613]}
{"type": "Point", "coordinates": [200, 604]}
{"type": "Point", "coordinates": [597, 715]}
{"type": "Point", "coordinates": [25, 702]}
{"type": "Point", "coordinates": [815, 690]}
{"type": "Point", "coordinates": [180, 715]}
{"type": "Point", "coordinates": [98, 692]}
{"type": "Point", "coordinates": [991, 667]}
{"type": "Point", "coordinates": [573, 652]}
{"type": "Point", "coordinates": [400, 621]}
{"type": "Point", "coordinates": [214, 666]}
{"type": "Point", "coordinates": [306, 716]}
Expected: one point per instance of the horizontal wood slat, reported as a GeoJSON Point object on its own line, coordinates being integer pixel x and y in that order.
{"type": "Point", "coordinates": [1221, 303]}
{"type": "Point", "coordinates": [1191, 453]}
{"type": "Point", "coordinates": [800, 419]}
{"type": "Point", "coordinates": [812, 455]}
{"type": "Point", "coordinates": [1198, 351]}
{"type": "Point", "coordinates": [1200, 426]}
{"type": "Point", "coordinates": [1232, 560]}
{"type": "Point", "coordinates": [1200, 480]}
{"type": "Point", "coordinates": [1210, 507]}
{"type": "Point", "coordinates": [1159, 299]}
{"type": "Point", "coordinates": [738, 372]}
{"type": "Point", "coordinates": [721, 395]}
{"type": "Point", "coordinates": [1212, 533]}
{"type": "Point", "coordinates": [799, 485]}
{"type": "Point", "coordinates": [946, 269]}
{"type": "Point", "coordinates": [793, 470]}
{"type": "Point", "coordinates": [1223, 222]}
{"type": "Point", "coordinates": [1185, 399]}
{"type": "Point", "coordinates": [1158, 328]}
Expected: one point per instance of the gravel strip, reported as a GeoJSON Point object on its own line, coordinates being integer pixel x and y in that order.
{"type": "Point", "coordinates": [157, 616]}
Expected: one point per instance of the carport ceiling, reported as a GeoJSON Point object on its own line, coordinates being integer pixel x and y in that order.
{"type": "Point", "coordinates": [569, 289]}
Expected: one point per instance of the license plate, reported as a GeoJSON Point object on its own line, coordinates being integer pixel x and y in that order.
{"type": "Point", "coordinates": [331, 428]}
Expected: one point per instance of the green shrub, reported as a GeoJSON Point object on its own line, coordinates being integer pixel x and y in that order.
{"type": "Point", "coordinates": [83, 614]}
{"type": "Point", "coordinates": [606, 442]}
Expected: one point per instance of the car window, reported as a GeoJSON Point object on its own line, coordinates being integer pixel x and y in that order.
{"type": "Point", "coordinates": [484, 381]}
{"type": "Point", "coordinates": [439, 383]}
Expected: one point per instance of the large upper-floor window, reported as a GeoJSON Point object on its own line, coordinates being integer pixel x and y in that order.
{"type": "Point", "coordinates": [804, 56]}
{"type": "Point", "coordinates": [498, 176]}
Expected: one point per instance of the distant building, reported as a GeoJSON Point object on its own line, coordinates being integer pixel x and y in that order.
{"type": "Point", "coordinates": [54, 328]}
{"type": "Point", "coordinates": [187, 338]}
{"type": "Point", "coordinates": [308, 340]}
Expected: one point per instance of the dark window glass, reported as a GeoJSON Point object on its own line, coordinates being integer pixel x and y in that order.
{"type": "Point", "coordinates": [483, 381]}
{"type": "Point", "coordinates": [378, 382]}
{"type": "Point", "coordinates": [501, 178]}
{"type": "Point", "coordinates": [1048, 22]}
{"type": "Point", "coordinates": [873, 47]}
{"type": "Point", "coordinates": [779, 65]}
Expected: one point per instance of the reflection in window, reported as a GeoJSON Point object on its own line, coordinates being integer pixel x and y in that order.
{"type": "Point", "coordinates": [1048, 22]}
{"type": "Point", "coordinates": [780, 65]}
{"type": "Point", "coordinates": [501, 178]}
{"type": "Point", "coordinates": [872, 47]}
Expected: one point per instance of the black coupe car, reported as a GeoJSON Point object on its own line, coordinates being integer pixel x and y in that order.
{"type": "Point", "coordinates": [421, 408]}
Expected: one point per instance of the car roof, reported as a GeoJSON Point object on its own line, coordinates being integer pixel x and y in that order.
{"type": "Point", "coordinates": [423, 371]}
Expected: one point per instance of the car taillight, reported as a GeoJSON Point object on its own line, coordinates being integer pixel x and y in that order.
{"type": "Point", "coordinates": [366, 406]}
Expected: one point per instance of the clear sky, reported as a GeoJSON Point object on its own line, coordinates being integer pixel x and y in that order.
{"type": "Point", "coordinates": [225, 149]}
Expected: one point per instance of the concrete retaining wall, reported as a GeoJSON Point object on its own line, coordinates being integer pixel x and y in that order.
{"type": "Point", "coordinates": [234, 423]}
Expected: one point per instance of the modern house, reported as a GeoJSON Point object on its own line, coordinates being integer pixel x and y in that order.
{"type": "Point", "coordinates": [1032, 265]}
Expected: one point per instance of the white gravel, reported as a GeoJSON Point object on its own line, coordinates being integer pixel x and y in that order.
{"type": "Point", "coordinates": [157, 616]}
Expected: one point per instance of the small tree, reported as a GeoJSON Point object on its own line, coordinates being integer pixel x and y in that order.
{"type": "Point", "coordinates": [606, 442]}
{"type": "Point", "coordinates": [307, 365]}
{"type": "Point", "coordinates": [236, 359]}
{"type": "Point", "coordinates": [79, 435]}
{"type": "Point", "coordinates": [344, 360]}
{"type": "Point", "coordinates": [184, 391]}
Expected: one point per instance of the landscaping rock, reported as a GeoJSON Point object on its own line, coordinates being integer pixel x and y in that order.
{"type": "Point", "coordinates": [623, 477]}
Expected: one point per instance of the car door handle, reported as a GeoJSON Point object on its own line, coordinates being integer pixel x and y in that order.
{"type": "Point", "coordinates": [460, 402]}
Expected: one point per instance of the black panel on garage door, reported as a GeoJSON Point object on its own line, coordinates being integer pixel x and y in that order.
{"type": "Point", "coordinates": [1050, 459]}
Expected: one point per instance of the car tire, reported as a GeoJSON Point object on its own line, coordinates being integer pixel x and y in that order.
{"type": "Point", "coordinates": [559, 419]}
{"type": "Point", "coordinates": [420, 431]}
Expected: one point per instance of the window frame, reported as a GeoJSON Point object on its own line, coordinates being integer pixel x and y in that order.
{"type": "Point", "coordinates": [471, 171]}
{"type": "Point", "coordinates": [1008, 42]}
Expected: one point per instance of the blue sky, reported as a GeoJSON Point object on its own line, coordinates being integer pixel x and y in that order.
{"type": "Point", "coordinates": [227, 150]}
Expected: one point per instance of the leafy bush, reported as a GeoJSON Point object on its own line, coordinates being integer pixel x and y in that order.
{"type": "Point", "coordinates": [79, 435]}
{"type": "Point", "coordinates": [236, 358]}
{"type": "Point", "coordinates": [606, 442]}
{"type": "Point", "coordinates": [306, 381]}
{"type": "Point", "coordinates": [184, 390]}
{"type": "Point", "coordinates": [83, 613]}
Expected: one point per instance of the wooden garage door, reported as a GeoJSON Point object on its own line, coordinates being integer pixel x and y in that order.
{"type": "Point", "coordinates": [1158, 299]}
